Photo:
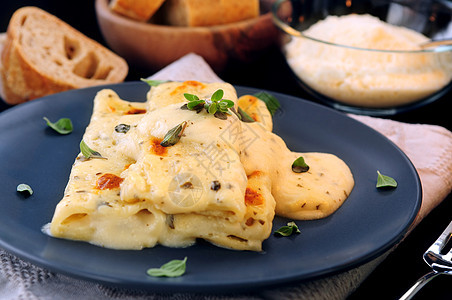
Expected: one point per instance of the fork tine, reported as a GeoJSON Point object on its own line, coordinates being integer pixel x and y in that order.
{"type": "Point", "coordinates": [439, 244]}
{"type": "Point", "coordinates": [436, 261]}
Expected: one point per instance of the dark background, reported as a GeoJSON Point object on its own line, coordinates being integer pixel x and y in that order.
{"type": "Point", "coordinates": [269, 71]}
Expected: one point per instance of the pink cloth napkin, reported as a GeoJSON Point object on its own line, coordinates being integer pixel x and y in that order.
{"type": "Point", "coordinates": [428, 147]}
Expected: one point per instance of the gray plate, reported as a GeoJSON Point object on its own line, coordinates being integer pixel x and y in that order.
{"type": "Point", "coordinates": [369, 222]}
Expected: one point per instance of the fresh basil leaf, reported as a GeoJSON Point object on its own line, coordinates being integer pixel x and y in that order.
{"type": "Point", "coordinates": [270, 101]}
{"type": "Point", "coordinates": [191, 97]}
{"type": "Point", "coordinates": [385, 181]}
{"type": "Point", "coordinates": [288, 230]}
{"type": "Point", "coordinates": [62, 126]}
{"type": "Point", "coordinates": [24, 189]}
{"type": "Point", "coordinates": [299, 165]}
{"type": "Point", "coordinates": [173, 268]}
{"type": "Point", "coordinates": [153, 82]}
{"type": "Point", "coordinates": [88, 153]}
{"type": "Point", "coordinates": [217, 95]}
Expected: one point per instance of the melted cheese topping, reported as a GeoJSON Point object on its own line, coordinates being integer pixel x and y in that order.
{"type": "Point", "coordinates": [221, 182]}
{"type": "Point", "coordinates": [314, 194]}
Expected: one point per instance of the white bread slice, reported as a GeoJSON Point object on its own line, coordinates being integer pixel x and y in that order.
{"type": "Point", "coordinates": [43, 55]}
{"type": "Point", "coordinates": [216, 12]}
{"type": "Point", "coordinates": [141, 10]}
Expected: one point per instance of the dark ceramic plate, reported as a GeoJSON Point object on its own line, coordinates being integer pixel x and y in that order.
{"type": "Point", "coordinates": [370, 222]}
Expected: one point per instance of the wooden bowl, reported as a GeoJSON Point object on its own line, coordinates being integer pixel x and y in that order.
{"type": "Point", "coordinates": [155, 46]}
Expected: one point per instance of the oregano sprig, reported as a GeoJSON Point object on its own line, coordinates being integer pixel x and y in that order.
{"type": "Point", "coordinates": [216, 105]}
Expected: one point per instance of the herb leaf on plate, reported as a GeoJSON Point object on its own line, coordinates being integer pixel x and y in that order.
{"type": "Point", "coordinates": [270, 101]}
{"type": "Point", "coordinates": [62, 126]}
{"type": "Point", "coordinates": [173, 268]}
{"type": "Point", "coordinates": [385, 181]}
{"type": "Point", "coordinates": [288, 230]}
{"type": "Point", "coordinates": [152, 82]}
{"type": "Point", "coordinates": [24, 189]}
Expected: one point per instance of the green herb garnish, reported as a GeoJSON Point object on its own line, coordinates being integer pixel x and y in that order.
{"type": "Point", "coordinates": [62, 126]}
{"type": "Point", "coordinates": [122, 128]}
{"type": "Point", "coordinates": [173, 135]}
{"type": "Point", "coordinates": [288, 230]}
{"type": "Point", "coordinates": [191, 97]}
{"type": "Point", "coordinates": [24, 189]}
{"type": "Point", "coordinates": [242, 115]}
{"type": "Point", "coordinates": [270, 101]}
{"type": "Point", "coordinates": [174, 268]}
{"type": "Point", "coordinates": [196, 105]}
{"type": "Point", "coordinates": [153, 82]}
{"type": "Point", "coordinates": [299, 165]}
{"type": "Point", "coordinates": [385, 181]}
{"type": "Point", "coordinates": [216, 105]}
{"type": "Point", "coordinates": [88, 152]}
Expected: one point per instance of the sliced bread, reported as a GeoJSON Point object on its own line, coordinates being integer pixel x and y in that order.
{"type": "Point", "coordinates": [43, 55]}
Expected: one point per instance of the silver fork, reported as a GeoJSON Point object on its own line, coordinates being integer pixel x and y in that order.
{"type": "Point", "coordinates": [440, 263]}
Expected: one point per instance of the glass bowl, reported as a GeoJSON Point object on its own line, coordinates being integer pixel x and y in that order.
{"type": "Point", "coordinates": [365, 57]}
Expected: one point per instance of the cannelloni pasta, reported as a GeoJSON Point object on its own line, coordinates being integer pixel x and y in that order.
{"type": "Point", "coordinates": [222, 181]}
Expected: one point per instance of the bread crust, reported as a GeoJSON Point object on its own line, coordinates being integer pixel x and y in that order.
{"type": "Point", "coordinates": [43, 55]}
{"type": "Point", "coordinates": [141, 10]}
{"type": "Point", "coordinates": [218, 12]}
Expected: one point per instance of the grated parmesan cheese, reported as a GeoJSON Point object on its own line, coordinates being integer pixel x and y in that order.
{"type": "Point", "coordinates": [362, 77]}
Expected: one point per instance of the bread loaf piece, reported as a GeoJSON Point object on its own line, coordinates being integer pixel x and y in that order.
{"type": "Point", "coordinates": [2, 42]}
{"type": "Point", "coordinates": [141, 10]}
{"type": "Point", "coordinates": [43, 55]}
{"type": "Point", "coordinates": [217, 12]}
